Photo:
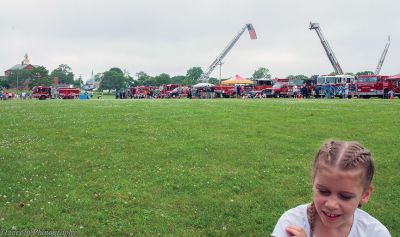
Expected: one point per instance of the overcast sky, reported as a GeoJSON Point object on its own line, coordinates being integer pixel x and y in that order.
{"type": "Point", "coordinates": [159, 36]}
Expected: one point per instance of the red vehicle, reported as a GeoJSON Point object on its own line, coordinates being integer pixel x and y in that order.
{"type": "Point", "coordinates": [280, 88]}
{"type": "Point", "coordinates": [42, 92]}
{"type": "Point", "coordinates": [224, 91]}
{"type": "Point", "coordinates": [329, 86]}
{"type": "Point", "coordinates": [395, 80]}
{"type": "Point", "coordinates": [166, 89]}
{"type": "Point", "coordinates": [373, 85]}
{"type": "Point", "coordinates": [144, 92]}
{"type": "Point", "coordinates": [179, 92]}
{"type": "Point", "coordinates": [140, 92]}
{"type": "Point", "coordinates": [68, 93]}
{"type": "Point", "coordinates": [262, 84]}
{"type": "Point", "coordinates": [131, 92]}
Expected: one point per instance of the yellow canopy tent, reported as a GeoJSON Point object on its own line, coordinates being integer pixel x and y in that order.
{"type": "Point", "coordinates": [236, 80]}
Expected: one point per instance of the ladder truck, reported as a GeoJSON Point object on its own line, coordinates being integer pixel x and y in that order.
{"type": "Point", "coordinates": [375, 84]}
{"type": "Point", "coordinates": [383, 56]}
{"type": "Point", "coordinates": [204, 77]}
{"type": "Point", "coordinates": [328, 50]}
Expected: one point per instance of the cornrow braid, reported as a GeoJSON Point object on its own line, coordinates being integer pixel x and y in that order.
{"type": "Point", "coordinates": [346, 156]}
{"type": "Point", "coordinates": [311, 217]}
{"type": "Point", "coordinates": [343, 155]}
{"type": "Point", "coordinates": [356, 156]}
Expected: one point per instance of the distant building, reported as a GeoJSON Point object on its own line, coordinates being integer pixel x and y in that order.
{"type": "Point", "coordinates": [25, 65]}
{"type": "Point", "coordinates": [91, 84]}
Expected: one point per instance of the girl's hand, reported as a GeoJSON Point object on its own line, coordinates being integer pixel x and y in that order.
{"type": "Point", "coordinates": [296, 231]}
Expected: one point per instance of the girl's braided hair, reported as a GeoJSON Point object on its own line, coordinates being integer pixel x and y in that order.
{"type": "Point", "coordinates": [343, 155]}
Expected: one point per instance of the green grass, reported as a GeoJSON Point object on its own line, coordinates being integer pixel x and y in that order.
{"type": "Point", "coordinates": [180, 167]}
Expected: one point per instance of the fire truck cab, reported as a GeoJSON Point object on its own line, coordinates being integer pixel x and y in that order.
{"type": "Point", "coordinates": [68, 93]}
{"type": "Point", "coordinates": [224, 91]}
{"type": "Point", "coordinates": [373, 85]}
{"type": "Point", "coordinates": [280, 88]}
{"type": "Point", "coordinates": [42, 92]}
{"type": "Point", "coordinates": [395, 82]}
{"type": "Point", "coordinates": [166, 89]}
{"type": "Point", "coordinates": [262, 84]}
{"type": "Point", "coordinates": [333, 84]}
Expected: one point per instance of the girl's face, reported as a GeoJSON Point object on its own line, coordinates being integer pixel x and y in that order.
{"type": "Point", "coordinates": [337, 195]}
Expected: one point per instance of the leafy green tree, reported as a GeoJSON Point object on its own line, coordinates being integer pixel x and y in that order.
{"type": "Point", "coordinates": [213, 80]}
{"type": "Point", "coordinates": [365, 73]}
{"type": "Point", "coordinates": [4, 83]}
{"type": "Point", "coordinates": [302, 77]}
{"type": "Point", "coordinates": [178, 80]}
{"type": "Point", "coordinates": [113, 79]}
{"type": "Point", "coordinates": [78, 82]}
{"type": "Point", "coordinates": [117, 70]}
{"type": "Point", "coordinates": [40, 77]}
{"type": "Point", "coordinates": [142, 79]}
{"type": "Point", "coordinates": [17, 78]}
{"type": "Point", "coordinates": [129, 81]}
{"type": "Point", "coordinates": [64, 74]}
{"type": "Point", "coordinates": [161, 79]}
{"type": "Point", "coordinates": [261, 73]}
{"type": "Point", "coordinates": [98, 77]}
{"type": "Point", "coordinates": [193, 75]}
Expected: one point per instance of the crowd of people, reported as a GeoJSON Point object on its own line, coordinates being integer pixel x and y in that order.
{"type": "Point", "coordinates": [4, 95]}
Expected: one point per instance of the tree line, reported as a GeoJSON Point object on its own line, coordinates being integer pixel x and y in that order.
{"type": "Point", "coordinates": [116, 79]}
{"type": "Point", "coordinates": [39, 76]}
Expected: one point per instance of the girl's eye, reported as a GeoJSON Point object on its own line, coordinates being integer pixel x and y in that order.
{"type": "Point", "coordinates": [345, 197]}
{"type": "Point", "coordinates": [324, 192]}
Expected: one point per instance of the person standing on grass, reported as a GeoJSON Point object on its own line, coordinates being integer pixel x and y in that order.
{"type": "Point", "coordinates": [346, 91]}
{"type": "Point", "coordinates": [342, 181]}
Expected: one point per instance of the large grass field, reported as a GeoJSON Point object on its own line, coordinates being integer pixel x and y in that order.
{"type": "Point", "coordinates": [225, 167]}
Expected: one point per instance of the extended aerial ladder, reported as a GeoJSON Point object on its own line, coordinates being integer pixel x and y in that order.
{"type": "Point", "coordinates": [328, 50]}
{"type": "Point", "coordinates": [383, 56]}
{"type": "Point", "coordinates": [217, 61]}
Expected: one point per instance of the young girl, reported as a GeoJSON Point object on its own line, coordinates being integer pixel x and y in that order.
{"type": "Point", "coordinates": [342, 174]}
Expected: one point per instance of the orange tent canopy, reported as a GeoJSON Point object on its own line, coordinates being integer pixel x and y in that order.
{"type": "Point", "coordinates": [236, 80]}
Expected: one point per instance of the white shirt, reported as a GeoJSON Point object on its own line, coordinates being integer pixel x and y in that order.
{"type": "Point", "coordinates": [364, 225]}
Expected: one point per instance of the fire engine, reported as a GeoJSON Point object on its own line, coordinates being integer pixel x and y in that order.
{"type": "Point", "coordinates": [68, 93]}
{"type": "Point", "coordinates": [166, 89]}
{"type": "Point", "coordinates": [395, 80]}
{"type": "Point", "coordinates": [179, 92]}
{"type": "Point", "coordinates": [224, 91]}
{"type": "Point", "coordinates": [280, 88]}
{"type": "Point", "coordinates": [332, 85]}
{"type": "Point", "coordinates": [42, 92]}
{"type": "Point", "coordinates": [373, 85]}
{"type": "Point", "coordinates": [262, 84]}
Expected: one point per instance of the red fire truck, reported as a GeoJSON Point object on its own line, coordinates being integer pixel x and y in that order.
{"type": "Point", "coordinates": [395, 80]}
{"type": "Point", "coordinates": [224, 91]}
{"type": "Point", "coordinates": [179, 92]}
{"type": "Point", "coordinates": [42, 92]}
{"type": "Point", "coordinates": [330, 85]}
{"type": "Point", "coordinates": [262, 84]}
{"type": "Point", "coordinates": [373, 85]}
{"type": "Point", "coordinates": [280, 88]}
{"type": "Point", "coordinates": [68, 93]}
{"type": "Point", "coordinates": [166, 89]}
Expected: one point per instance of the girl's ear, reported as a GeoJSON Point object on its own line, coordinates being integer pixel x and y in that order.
{"type": "Point", "coordinates": [367, 194]}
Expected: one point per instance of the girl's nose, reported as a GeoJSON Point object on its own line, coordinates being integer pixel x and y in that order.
{"type": "Point", "coordinates": [332, 203]}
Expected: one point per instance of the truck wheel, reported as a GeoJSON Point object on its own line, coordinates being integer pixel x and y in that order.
{"type": "Point", "coordinates": [277, 95]}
